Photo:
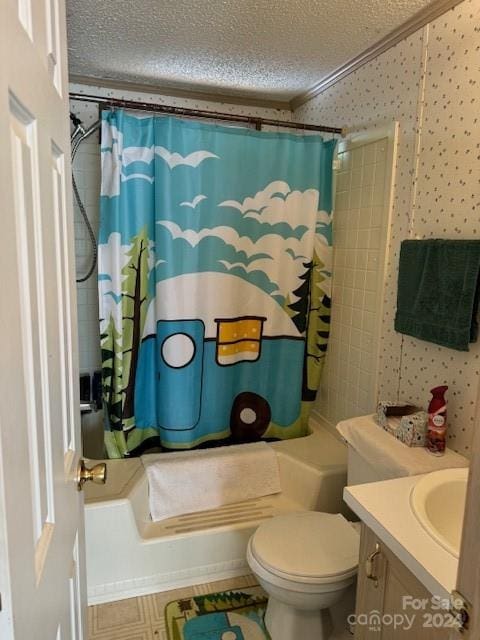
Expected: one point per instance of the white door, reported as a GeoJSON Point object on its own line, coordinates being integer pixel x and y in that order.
{"type": "Point", "coordinates": [41, 527]}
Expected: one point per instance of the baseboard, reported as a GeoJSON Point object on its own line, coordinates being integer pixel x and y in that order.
{"type": "Point", "coordinates": [159, 582]}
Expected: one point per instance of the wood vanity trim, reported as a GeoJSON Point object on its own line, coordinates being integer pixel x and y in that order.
{"type": "Point", "coordinates": [385, 598]}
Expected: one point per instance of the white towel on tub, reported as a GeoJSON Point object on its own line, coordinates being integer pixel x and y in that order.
{"type": "Point", "coordinates": [189, 481]}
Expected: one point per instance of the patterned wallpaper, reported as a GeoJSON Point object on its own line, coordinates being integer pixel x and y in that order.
{"type": "Point", "coordinates": [90, 110]}
{"type": "Point", "coordinates": [430, 84]}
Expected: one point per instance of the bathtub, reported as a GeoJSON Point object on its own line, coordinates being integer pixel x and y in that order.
{"type": "Point", "coordinates": [129, 555]}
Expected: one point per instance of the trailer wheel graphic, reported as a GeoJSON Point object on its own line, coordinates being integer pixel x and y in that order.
{"type": "Point", "coordinates": [250, 417]}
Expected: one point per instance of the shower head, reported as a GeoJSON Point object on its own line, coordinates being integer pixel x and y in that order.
{"type": "Point", "coordinates": [77, 126]}
{"type": "Point", "coordinates": [75, 120]}
{"type": "Point", "coordinates": [80, 134]}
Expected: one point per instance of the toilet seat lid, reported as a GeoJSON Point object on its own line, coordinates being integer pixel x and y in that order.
{"type": "Point", "coordinates": [307, 545]}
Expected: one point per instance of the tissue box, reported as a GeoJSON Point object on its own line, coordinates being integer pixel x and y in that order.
{"type": "Point", "coordinates": [405, 422]}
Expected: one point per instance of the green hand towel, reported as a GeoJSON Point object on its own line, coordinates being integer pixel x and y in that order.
{"type": "Point", "coordinates": [438, 288]}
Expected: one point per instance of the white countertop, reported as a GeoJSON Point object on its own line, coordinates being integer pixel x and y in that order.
{"type": "Point", "coordinates": [385, 508]}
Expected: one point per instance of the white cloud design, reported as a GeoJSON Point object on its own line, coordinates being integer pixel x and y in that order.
{"type": "Point", "coordinates": [268, 243]}
{"type": "Point", "coordinates": [111, 169]}
{"type": "Point", "coordinates": [193, 204]}
{"type": "Point", "coordinates": [140, 176]}
{"type": "Point", "coordinates": [256, 265]}
{"type": "Point", "coordinates": [112, 144]}
{"type": "Point", "coordinates": [137, 154]}
{"type": "Point", "coordinates": [323, 217]}
{"type": "Point", "coordinates": [278, 203]}
{"type": "Point", "coordinates": [174, 159]}
{"type": "Point", "coordinates": [115, 156]}
{"type": "Point", "coordinates": [190, 235]}
{"type": "Point", "coordinates": [112, 257]}
{"type": "Point", "coordinates": [280, 268]}
{"type": "Point", "coordinates": [294, 256]}
{"type": "Point", "coordinates": [260, 199]}
{"type": "Point", "coordinates": [111, 135]}
{"type": "Point", "coordinates": [325, 252]}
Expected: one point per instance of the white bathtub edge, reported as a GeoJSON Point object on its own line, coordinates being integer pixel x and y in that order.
{"type": "Point", "coordinates": [159, 582]}
{"type": "Point", "coordinates": [314, 474]}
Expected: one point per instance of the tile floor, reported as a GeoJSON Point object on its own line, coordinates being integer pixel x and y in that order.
{"type": "Point", "coordinates": [142, 618]}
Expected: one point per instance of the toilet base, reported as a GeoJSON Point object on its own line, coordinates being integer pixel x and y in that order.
{"type": "Point", "coordinates": [285, 622]}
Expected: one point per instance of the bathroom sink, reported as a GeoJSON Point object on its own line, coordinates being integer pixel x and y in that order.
{"type": "Point", "coordinates": [438, 502]}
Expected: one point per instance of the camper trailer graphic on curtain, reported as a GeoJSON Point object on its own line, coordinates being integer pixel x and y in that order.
{"type": "Point", "coordinates": [214, 280]}
{"type": "Point", "coordinates": [239, 339]}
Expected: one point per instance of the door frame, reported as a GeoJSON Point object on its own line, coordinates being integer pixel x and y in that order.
{"type": "Point", "coordinates": [468, 576]}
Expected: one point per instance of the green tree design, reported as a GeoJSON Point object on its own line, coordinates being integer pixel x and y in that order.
{"type": "Point", "coordinates": [318, 330]}
{"type": "Point", "coordinates": [301, 306]}
{"type": "Point", "coordinates": [226, 601]}
{"type": "Point", "coordinates": [312, 318]}
{"type": "Point", "coordinates": [112, 374]}
{"type": "Point", "coordinates": [134, 310]}
{"type": "Point", "coordinates": [286, 306]}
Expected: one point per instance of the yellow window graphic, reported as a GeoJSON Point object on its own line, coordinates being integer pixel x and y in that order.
{"type": "Point", "coordinates": [239, 339]}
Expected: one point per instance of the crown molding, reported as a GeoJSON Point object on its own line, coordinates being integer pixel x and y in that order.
{"type": "Point", "coordinates": [121, 85]}
{"type": "Point", "coordinates": [416, 22]}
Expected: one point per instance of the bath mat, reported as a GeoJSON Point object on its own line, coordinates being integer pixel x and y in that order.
{"type": "Point", "coordinates": [226, 615]}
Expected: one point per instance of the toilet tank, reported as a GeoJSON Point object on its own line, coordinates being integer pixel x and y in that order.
{"type": "Point", "coordinates": [375, 455]}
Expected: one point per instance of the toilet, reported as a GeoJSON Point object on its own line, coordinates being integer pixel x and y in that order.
{"type": "Point", "coordinates": [305, 561]}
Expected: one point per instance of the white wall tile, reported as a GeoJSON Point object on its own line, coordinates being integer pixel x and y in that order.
{"type": "Point", "coordinates": [355, 317]}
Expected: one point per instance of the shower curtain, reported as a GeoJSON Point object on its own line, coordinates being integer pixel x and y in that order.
{"type": "Point", "coordinates": [214, 281]}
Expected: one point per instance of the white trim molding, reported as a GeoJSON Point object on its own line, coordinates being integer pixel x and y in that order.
{"type": "Point", "coordinates": [159, 582]}
{"type": "Point", "coordinates": [173, 92]}
{"type": "Point", "coordinates": [416, 22]}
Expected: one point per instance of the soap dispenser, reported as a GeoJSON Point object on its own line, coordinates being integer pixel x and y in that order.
{"type": "Point", "coordinates": [437, 421]}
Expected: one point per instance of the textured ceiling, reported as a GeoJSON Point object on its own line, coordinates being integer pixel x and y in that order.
{"type": "Point", "coordinates": [263, 49]}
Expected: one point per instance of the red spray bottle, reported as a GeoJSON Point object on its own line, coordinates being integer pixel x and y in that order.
{"type": "Point", "coordinates": [437, 421]}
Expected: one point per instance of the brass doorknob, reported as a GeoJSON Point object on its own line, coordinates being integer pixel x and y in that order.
{"type": "Point", "coordinates": [97, 474]}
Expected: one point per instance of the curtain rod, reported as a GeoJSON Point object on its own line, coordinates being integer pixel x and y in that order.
{"type": "Point", "coordinates": [195, 113]}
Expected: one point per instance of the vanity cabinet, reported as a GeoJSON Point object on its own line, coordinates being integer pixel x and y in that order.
{"type": "Point", "coordinates": [391, 602]}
